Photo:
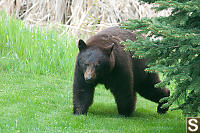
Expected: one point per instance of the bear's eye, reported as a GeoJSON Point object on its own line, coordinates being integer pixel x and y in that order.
{"type": "Point", "coordinates": [82, 64]}
{"type": "Point", "coordinates": [86, 64]}
{"type": "Point", "coordinates": [100, 65]}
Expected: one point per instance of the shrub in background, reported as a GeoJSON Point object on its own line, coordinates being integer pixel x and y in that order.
{"type": "Point", "coordinates": [173, 45]}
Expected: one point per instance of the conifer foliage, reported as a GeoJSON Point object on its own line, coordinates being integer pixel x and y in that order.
{"type": "Point", "coordinates": [172, 45]}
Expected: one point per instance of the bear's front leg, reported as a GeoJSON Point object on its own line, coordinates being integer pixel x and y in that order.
{"type": "Point", "coordinates": [83, 94]}
{"type": "Point", "coordinates": [125, 99]}
{"type": "Point", "coordinates": [82, 99]}
{"type": "Point", "coordinates": [125, 103]}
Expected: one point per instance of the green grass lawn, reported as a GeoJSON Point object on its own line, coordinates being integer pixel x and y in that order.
{"type": "Point", "coordinates": [43, 103]}
{"type": "Point", "coordinates": [36, 72]}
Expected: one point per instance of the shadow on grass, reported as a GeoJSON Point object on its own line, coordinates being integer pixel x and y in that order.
{"type": "Point", "coordinates": [110, 110]}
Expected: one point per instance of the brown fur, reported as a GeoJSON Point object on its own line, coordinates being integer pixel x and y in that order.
{"type": "Point", "coordinates": [103, 56]}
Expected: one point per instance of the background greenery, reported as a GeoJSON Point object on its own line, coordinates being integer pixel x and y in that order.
{"type": "Point", "coordinates": [36, 72]}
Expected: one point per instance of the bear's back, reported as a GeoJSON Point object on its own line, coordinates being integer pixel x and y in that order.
{"type": "Point", "coordinates": [116, 31]}
{"type": "Point", "coordinates": [111, 35]}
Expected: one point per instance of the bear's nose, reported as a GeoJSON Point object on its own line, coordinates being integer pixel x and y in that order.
{"type": "Point", "coordinates": [89, 75]}
{"type": "Point", "coordinates": [88, 79]}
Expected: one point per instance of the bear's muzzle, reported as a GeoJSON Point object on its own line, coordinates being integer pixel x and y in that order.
{"type": "Point", "coordinates": [89, 74]}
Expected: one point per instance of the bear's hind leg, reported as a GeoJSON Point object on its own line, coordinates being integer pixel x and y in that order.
{"type": "Point", "coordinates": [155, 94]}
{"type": "Point", "coordinates": [148, 91]}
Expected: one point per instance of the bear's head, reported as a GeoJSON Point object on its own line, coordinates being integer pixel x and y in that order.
{"type": "Point", "coordinates": [95, 62]}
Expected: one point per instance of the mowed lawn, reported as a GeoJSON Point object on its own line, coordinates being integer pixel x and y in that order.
{"type": "Point", "coordinates": [43, 103]}
{"type": "Point", "coordinates": [36, 77]}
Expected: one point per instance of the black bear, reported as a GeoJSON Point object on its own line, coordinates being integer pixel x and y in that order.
{"type": "Point", "coordinates": [102, 59]}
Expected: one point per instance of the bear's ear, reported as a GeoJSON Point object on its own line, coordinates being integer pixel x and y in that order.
{"type": "Point", "coordinates": [81, 44]}
{"type": "Point", "coordinates": [109, 49]}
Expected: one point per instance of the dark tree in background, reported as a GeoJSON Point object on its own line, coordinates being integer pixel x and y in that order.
{"type": "Point", "coordinates": [173, 47]}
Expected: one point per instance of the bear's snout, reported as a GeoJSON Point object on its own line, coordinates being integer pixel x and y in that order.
{"type": "Point", "coordinates": [90, 74]}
